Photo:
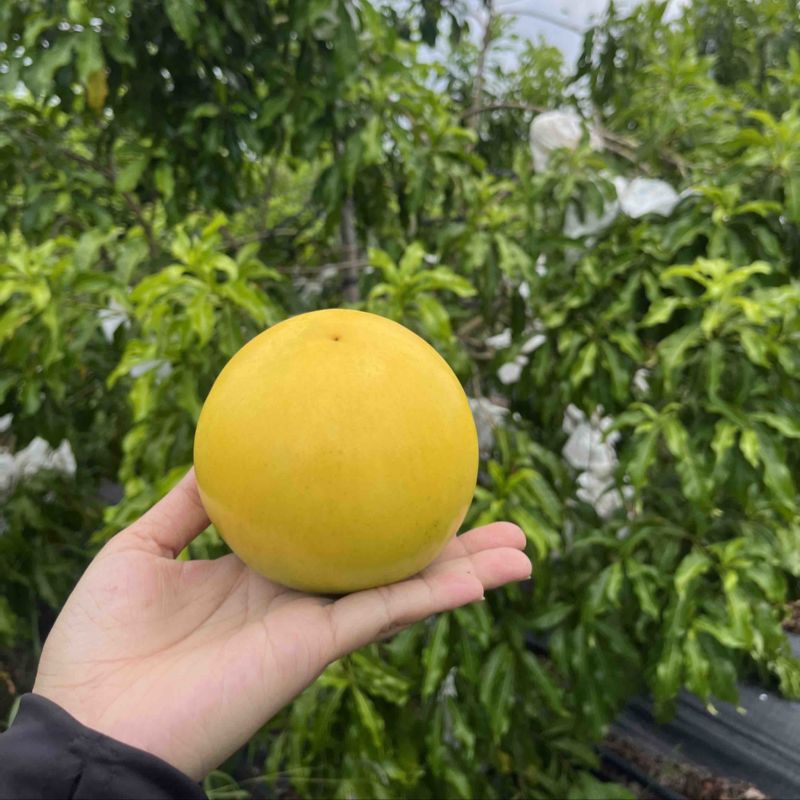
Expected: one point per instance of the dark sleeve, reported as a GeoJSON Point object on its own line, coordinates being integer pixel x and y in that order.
{"type": "Point", "coordinates": [46, 753]}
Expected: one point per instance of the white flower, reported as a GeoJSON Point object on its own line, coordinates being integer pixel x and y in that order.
{"type": "Point", "coordinates": [592, 486]}
{"type": "Point", "coordinates": [640, 380]}
{"type": "Point", "coordinates": [33, 458]}
{"type": "Point", "coordinates": [111, 318]}
{"type": "Point", "coordinates": [586, 449]}
{"type": "Point", "coordinates": [552, 130]}
{"type": "Point", "coordinates": [8, 471]}
{"type": "Point", "coordinates": [510, 371]}
{"type": "Point", "coordinates": [590, 448]}
{"type": "Point", "coordinates": [39, 455]}
{"type": "Point", "coordinates": [488, 416]}
{"type": "Point", "coordinates": [573, 417]}
{"type": "Point", "coordinates": [500, 340]}
{"type": "Point", "coordinates": [648, 196]}
{"type": "Point", "coordinates": [600, 492]}
{"type": "Point", "coordinates": [608, 504]}
{"type": "Point", "coordinates": [534, 343]}
{"type": "Point", "coordinates": [63, 459]}
{"type": "Point", "coordinates": [36, 456]}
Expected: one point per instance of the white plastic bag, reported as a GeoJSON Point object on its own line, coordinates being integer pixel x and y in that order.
{"type": "Point", "coordinates": [488, 416]}
{"type": "Point", "coordinates": [552, 130]}
{"type": "Point", "coordinates": [648, 196]}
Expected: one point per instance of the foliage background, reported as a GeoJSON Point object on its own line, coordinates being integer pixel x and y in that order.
{"type": "Point", "coordinates": [179, 174]}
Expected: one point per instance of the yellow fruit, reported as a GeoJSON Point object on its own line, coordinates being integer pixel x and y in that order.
{"type": "Point", "coordinates": [336, 451]}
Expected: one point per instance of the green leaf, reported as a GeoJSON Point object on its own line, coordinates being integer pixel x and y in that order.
{"type": "Point", "coordinates": [644, 580]}
{"type": "Point", "coordinates": [628, 343]}
{"type": "Point", "coordinates": [784, 425]}
{"type": "Point", "coordinates": [205, 111]}
{"type": "Point", "coordinates": [539, 535]}
{"type": "Point", "coordinates": [755, 346]}
{"type": "Point", "coordinates": [444, 279]}
{"type": "Point", "coordinates": [724, 438]}
{"type": "Point", "coordinates": [715, 366]}
{"type": "Point", "coordinates": [791, 192]}
{"type": "Point", "coordinates": [411, 260]}
{"type": "Point", "coordinates": [182, 15]}
{"type": "Point", "coordinates": [369, 717]}
{"type": "Point", "coordinates": [12, 320]}
{"type": "Point", "coordinates": [769, 579]}
{"type": "Point", "coordinates": [546, 499]}
{"type": "Point", "coordinates": [128, 175]}
{"type": "Point", "coordinates": [713, 317]}
{"type": "Point", "coordinates": [87, 250]}
{"type": "Point", "coordinates": [748, 444]}
{"type": "Point", "coordinates": [40, 77]}
{"type": "Point", "coordinates": [544, 684]}
{"type": "Point", "coordinates": [552, 616]}
{"type": "Point", "coordinates": [200, 313]}
{"type": "Point", "coordinates": [379, 677]}
{"type": "Point", "coordinates": [693, 565]}
{"type": "Point", "coordinates": [254, 302]}
{"type": "Point", "coordinates": [186, 395]}
{"type": "Point", "coordinates": [434, 317]}
{"type": "Point", "coordinates": [165, 180]}
{"type": "Point", "coordinates": [381, 261]}
{"type": "Point", "coordinates": [688, 463]}
{"type": "Point", "coordinates": [96, 89]}
{"type": "Point", "coordinates": [668, 672]}
{"type": "Point", "coordinates": [584, 364]}
{"type": "Point", "coordinates": [587, 787]}
{"type": "Point", "coordinates": [661, 311]}
{"type": "Point", "coordinates": [673, 349]}
{"type": "Point", "coordinates": [645, 448]}
{"type": "Point", "coordinates": [697, 667]}
{"type": "Point", "coordinates": [777, 475]}
{"type": "Point", "coordinates": [620, 379]}
{"type": "Point", "coordinates": [89, 57]}
{"type": "Point", "coordinates": [496, 691]}
{"type": "Point", "coordinates": [434, 656]}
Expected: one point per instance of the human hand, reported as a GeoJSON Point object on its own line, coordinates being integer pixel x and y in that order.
{"type": "Point", "coordinates": [187, 659]}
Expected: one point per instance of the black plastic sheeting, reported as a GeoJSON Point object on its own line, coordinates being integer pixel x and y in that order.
{"type": "Point", "coordinates": [760, 746]}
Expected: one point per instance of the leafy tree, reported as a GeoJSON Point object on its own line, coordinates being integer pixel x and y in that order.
{"type": "Point", "coordinates": [176, 176]}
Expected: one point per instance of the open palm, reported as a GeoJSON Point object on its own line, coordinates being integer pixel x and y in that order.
{"type": "Point", "coordinates": [187, 659]}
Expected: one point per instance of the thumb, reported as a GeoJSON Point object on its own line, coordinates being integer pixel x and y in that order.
{"type": "Point", "coordinates": [176, 519]}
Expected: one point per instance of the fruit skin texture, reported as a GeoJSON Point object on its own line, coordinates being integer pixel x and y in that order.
{"type": "Point", "coordinates": [336, 451]}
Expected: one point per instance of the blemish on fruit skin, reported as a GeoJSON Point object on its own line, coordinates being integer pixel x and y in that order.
{"type": "Point", "coordinates": [336, 337]}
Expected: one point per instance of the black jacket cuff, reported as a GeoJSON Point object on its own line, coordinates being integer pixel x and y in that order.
{"type": "Point", "coordinates": [46, 753]}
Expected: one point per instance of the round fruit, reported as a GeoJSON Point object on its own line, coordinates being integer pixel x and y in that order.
{"type": "Point", "coordinates": [336, 451]}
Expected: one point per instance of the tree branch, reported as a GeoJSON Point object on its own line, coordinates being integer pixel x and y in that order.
{"type": "Point", "coordinates": [477, 89]}
{"type": "Point", "coordinates": [350, 266]}
{"type": "Point", "coordinates": [621, 145]}
{"type": "Point", "coordinates": [107, 172]}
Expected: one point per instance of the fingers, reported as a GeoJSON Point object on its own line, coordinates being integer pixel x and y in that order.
{"type": "Point", "coordinates": [174, 520]}
{"type": "Point", "coordinates": [498, 534]}
{"type": "Point", "coordinates": [493, 567]}
{"type": "Point", "coordinates": [366, 616]}
{"type": "Point", "coordinates": [360, 618]}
